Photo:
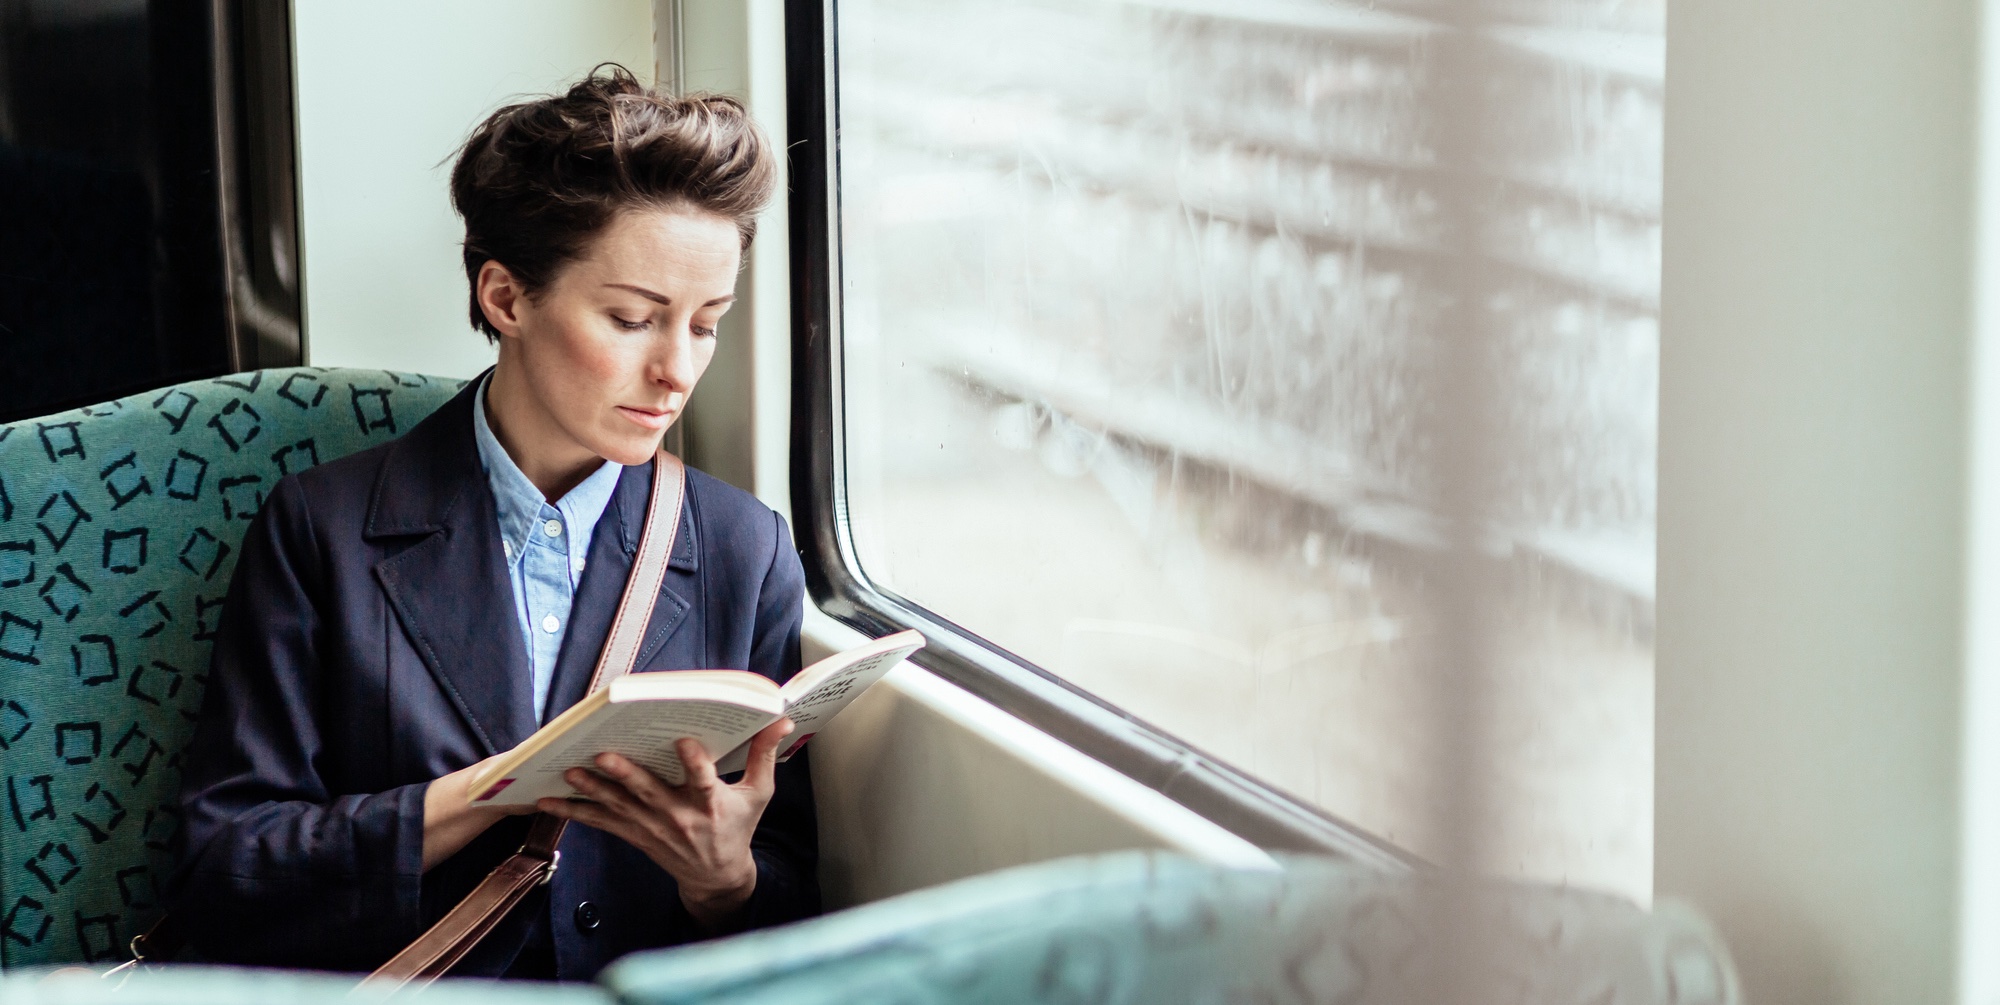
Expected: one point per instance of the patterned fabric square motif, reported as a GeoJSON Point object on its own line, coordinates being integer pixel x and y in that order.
{"type": "Point", "coordinates": [119, 528]}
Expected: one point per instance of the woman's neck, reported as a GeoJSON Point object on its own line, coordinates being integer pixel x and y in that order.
{"type": "Point", "coordinates": [551, 459]}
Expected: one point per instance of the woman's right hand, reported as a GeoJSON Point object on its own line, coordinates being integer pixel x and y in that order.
{"type": "Point", "coordinates": [450, 819]}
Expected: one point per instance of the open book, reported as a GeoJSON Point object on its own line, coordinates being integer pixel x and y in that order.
{"type": "Point", "coordinates": [641, 715]}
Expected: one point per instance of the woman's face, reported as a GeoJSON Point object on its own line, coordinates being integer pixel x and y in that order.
{"type": "Point", "coordinates": [602, 361]}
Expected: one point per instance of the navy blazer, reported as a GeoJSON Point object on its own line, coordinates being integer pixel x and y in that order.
{"type": "Point", "coordinates": [369, 645]}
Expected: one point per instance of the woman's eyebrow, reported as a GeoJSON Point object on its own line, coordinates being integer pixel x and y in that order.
{"type": "Point", "coordinates": [662, 299]}
{"type": "Point", "coordinates": [642, 291]}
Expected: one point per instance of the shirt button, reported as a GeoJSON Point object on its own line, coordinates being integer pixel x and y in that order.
{"type": "Point", "coordinates": [550, 624]}
{"type": "Point", "coordinates": [553, 528]}
{"type": "Point", "coordinates": [507, 548]}
{"type": "Point", "coordinates": [587, 918]}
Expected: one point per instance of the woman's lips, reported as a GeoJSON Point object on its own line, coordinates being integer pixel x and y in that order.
{"type": "Point", "coordinates": [646, 418]}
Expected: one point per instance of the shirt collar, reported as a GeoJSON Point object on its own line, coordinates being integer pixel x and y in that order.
{"type": "Point", "coordinates": [520, 503]}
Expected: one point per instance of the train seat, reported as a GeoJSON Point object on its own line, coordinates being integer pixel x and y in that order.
{"type": "Point", "coordinates": [1124, 927]}
{"type": "Point", "coordinates": [1153, 926]}
{"type": "Point", "coordinates": [119, 526]}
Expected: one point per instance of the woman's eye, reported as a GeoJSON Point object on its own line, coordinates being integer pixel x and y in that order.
{"type": "Point", "coordinates": [701, 332]}
{"type": "Point", "coordinates": [632, 326]}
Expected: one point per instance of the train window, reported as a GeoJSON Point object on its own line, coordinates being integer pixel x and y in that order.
{"type": "Point", "coordinates": [1147, 313]}
{"type": "Point", "coordinates": [147, 226]}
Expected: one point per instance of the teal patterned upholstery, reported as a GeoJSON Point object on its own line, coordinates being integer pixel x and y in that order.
{"type": "Point", "coordinates": [119, 525]}
{"type": "Point", "coordinates": [1151, 927]}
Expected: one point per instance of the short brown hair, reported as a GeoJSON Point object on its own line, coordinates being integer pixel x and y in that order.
{"type": "Point", "coordinates": [537, 180]}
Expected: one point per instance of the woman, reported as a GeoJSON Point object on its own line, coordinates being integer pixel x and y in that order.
{"type": "Point", "coordinates": [399, 615]}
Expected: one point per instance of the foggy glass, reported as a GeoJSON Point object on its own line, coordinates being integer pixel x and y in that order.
{"type": "Point", "coordinates": [1142, 306]}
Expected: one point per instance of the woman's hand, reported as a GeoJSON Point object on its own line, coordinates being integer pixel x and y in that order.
{"type": "Point", "coordinates": [698, 831]}
{"type": "Point", "coordinates": [450, 819]}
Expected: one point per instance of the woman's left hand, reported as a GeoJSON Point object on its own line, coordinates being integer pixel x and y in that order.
{"type": "Point", "coordinates": [698, 831]}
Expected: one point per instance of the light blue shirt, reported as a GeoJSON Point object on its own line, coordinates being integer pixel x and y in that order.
{"type": "Point", "coordinates": [545, 545]}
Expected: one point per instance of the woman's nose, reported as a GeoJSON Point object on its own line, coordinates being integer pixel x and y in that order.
{"type": "Point", "coordinates": [673, 365]}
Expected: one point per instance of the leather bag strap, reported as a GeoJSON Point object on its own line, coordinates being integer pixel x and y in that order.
{"type": "Point", "coordinates": [438, 950]}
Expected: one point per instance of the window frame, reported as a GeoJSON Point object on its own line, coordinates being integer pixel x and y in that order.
{"type": "Point", "coordinates": [1231, 798]}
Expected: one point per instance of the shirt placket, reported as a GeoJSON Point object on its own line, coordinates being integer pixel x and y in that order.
{"type": "Point", "coordinates": [549, 594]}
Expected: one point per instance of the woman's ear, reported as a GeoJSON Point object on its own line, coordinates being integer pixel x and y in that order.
{"type": "Point", "coordinates": [502, 298]}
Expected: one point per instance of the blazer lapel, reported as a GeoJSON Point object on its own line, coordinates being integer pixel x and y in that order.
{"type": "Point", "coordinates": [612, 549]}
{"type": "Point", "coordinates": [450, 590]}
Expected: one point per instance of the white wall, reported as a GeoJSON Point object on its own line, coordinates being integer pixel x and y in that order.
{"type": "Point", "coordinates": [387, 89]}
{"type": "Point", "coordinates": [738, 423]}
{"type": "Point", "coordinates": [1813, 444]}
{"type": "Point", "coordinates": [1979, 780]}
{"type": "Point", "coordinates": [919, 782]}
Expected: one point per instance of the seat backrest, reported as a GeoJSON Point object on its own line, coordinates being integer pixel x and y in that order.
{"type": "Point", "coordinates": [119, 526]}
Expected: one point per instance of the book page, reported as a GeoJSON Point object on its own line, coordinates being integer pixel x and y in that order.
{"type": "Point", "coordinates": [813, 709]}
{"type": "Point", "coordinates": [643, 731]}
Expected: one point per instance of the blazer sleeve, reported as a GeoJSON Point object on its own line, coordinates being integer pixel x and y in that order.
{"type": "Point", "coordinates": [786, 843]}
{"type": "Point", "coordinates": [271, 866]}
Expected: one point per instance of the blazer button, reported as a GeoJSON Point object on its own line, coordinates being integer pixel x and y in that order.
{"type": "Point", "coordinates": [587, 918]}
